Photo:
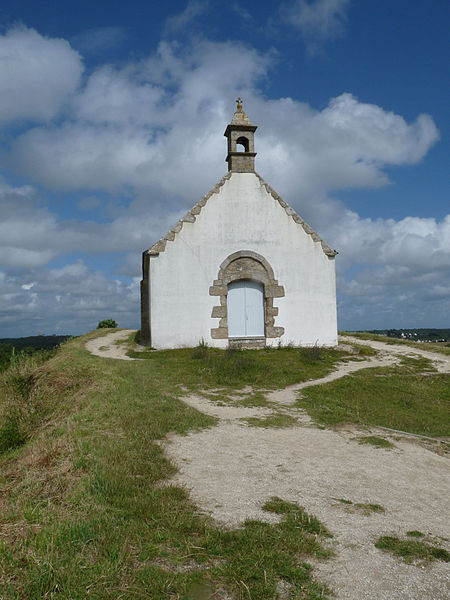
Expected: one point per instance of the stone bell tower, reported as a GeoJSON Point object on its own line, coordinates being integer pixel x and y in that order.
{"type": "Point", "coordinates": [241, 145]}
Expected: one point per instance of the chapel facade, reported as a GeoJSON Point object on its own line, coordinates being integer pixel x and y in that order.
{"type": "Point", "coordinates": [241, 268]}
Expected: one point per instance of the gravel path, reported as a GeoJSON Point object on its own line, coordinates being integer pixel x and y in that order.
{"type": "Point", "coordinates": [106, 346]}
{"type": "Point", "coordinates": [232, 469]}
{"type": "Point", "coordinates": [440, 361]}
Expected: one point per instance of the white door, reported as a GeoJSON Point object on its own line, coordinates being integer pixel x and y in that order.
{"type": "Point", "coordinates": [245, 304]}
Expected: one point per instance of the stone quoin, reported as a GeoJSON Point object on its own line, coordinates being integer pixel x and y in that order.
{"type": "Point", "coordinates": [241, 268]}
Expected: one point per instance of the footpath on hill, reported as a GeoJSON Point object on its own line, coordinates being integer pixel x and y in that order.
{"type": "Point", "coordinates": [233, 468]}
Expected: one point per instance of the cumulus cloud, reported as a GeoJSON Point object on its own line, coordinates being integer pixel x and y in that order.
{"type": "Point", "coordinates": [31, 235]}
{"type": "Point", "coordinates": [421, 244]}
{"type": "Point", "coordinates": [71, 299]}
{"type": "Point", "coordinates": [402, 271]}
{"type": "Point", "coordinates": [136, 125]}
{"type": "Point", "coordinates": [318, 21]}
{"type": "Point", "coordinates": [37, 75]}
{"type": "Point", "coordinates": [152, 131]}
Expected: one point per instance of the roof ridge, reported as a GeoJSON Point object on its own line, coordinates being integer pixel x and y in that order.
{"type": "Point", "coordinates": [297, 218]}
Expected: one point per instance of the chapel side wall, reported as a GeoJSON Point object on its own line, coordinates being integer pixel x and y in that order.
{"type": "Point", "coordinates": [241, 216]}
{"type": "Point", "coordinates": [145, 331]}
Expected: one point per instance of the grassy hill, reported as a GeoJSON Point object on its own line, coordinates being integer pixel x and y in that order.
{"type": "Point", "coordinates": [87, 508]}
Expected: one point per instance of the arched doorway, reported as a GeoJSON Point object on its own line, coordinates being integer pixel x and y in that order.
{"type": "Point", "coordinates": [245, 309]}
{"type": "Point", "coordinates": [249, 272]}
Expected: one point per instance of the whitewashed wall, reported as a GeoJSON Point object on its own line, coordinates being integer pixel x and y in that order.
{"type": "Point", "coordinates": [241, 216]}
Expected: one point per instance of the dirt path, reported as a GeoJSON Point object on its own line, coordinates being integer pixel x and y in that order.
{"type": "Point", "coordinates": [232, 469]}
{"type": "Point", "coordinates": [440, 361]}
{"type": "Point", "coordinates": [106, 346]}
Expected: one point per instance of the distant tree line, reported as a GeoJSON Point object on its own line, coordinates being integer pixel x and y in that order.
{"type": "Point", "coordinates": [11, 348]}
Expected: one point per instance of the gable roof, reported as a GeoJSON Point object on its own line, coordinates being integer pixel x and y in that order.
{"type": "Point", "coordinates": [190, 217]}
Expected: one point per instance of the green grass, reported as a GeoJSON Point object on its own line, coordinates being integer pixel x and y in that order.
{"type": "Point", "coordinates": [86, 509]}
{"type": "Point", "coordinates": [412, 550]}
{"type": "Point", "coordinates": [394, 397]}
{"type": "Point", "coordinates": [443, 348]}
{"type": "Point", "coordinates": [374, 440]}
{"type": "Point", "coordinates": [276, 420]}
{"type": "Point", "coordinates": [270, 368]}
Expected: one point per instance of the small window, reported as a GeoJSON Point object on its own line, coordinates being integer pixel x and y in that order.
{"type": "Point", "coordinates": [242, 141]}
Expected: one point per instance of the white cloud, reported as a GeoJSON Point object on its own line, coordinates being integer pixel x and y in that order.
{"type": "Point", "coordinates": [153, 131]}
{"type": "Point", "coordinates": [31, 236]}
{"type": "Point", "coordinates": [37, 75]}
{"type": "Point", "coordinates": [318, 20]}
{"type": "Point", "coordinates": [135, 126]}
{"type": "Point", "coordinates": [180, 21]}
{"type": "Point", "coordinates": [403, 271]}
{"type": "Point", "coordinates": [346, 145]}
{"type": "Point", "coordinates": [419, 244]}
{"type": "Point", "coordinates": [72, 299]}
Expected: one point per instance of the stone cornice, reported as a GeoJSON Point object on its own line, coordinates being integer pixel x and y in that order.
{"type": "Point", "coordinates": [291, 212]}
{"type": "Point", "coordinates": [190, 217]}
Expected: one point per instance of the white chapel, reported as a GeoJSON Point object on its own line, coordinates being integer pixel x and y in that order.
{"type": "Point", "coordinates": [241, 268]}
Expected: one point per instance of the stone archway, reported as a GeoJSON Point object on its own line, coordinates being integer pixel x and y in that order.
{"type": "Point", "coordinates": [246, 264]}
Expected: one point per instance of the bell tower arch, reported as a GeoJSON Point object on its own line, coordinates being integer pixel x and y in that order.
{"type": "Point", "coordinates": [241, 144]}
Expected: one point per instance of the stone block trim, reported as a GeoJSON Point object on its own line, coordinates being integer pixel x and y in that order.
{"type": "Point", "coordinates": [246, 264]}
{"type": "Point", "coordinates": [189, 217]}
{"type": "Point", "coordinates": [291, 212]}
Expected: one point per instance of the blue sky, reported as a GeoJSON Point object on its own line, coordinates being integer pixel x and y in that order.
{"type": "Point", "coordinates": [112, 118]}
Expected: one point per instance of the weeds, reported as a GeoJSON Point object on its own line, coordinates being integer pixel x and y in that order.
{"type": "Point", "coordinates": [277, 420]}
{"type": "Point", "coordinates": [201, 351]}
{"type": "Point", "coordinates": [311, 354]}
{"type": "Point", "coordinates": [374, 440]}
{"type": "Point", "coordinates": [412, 550]}
{"type": "Point", "coordinates": [366, 508]}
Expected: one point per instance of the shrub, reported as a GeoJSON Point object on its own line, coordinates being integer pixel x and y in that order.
{"type": "Point", "coordinates": [107, 323]}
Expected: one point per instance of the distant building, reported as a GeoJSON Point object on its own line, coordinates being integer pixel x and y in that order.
{"type": "Point", "coordinates": [240, 268]}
